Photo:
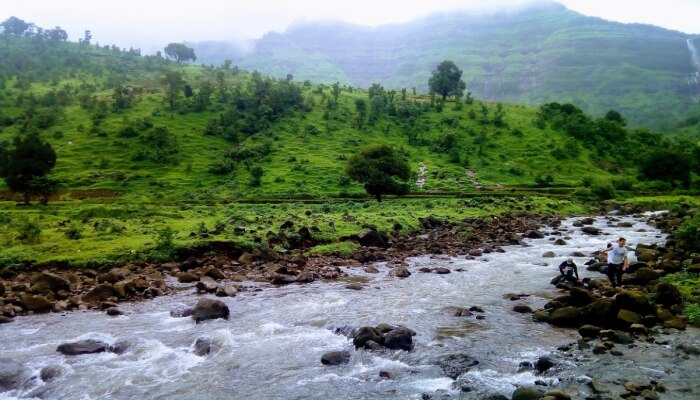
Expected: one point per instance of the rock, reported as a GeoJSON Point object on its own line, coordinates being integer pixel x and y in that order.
{"type": "Point", "coordinates": [113, 311]}
{"type": "Point", "coordinates": [181, 312]}
{"type": "Point", "coordinates": [281, 279]}
{"type": "Point", "coordinates": [639, 329]}
{"type": "Point", "coordinates": [543, 364]}
{"type": "Point", "coordinates": [371, 270]}
{"type": "Point", "coordinates": [120, 347]}
{"type": "Point", "coordinates": [587, 221]}
{"type": "Point", "coordinates": [50, 373]}
{"type": "Point", "coordinates": [187, 277]}
{"type": "Point", "coordinates": [2, 289]}
{"type": "Point", "coordinates": [646, 255]}
{"type": "Point", "coordinates": [47, 283]}
{"type": "Point", "coordinates": [566, 316]}
{"type": "Point", "coordinates": [5, 320]}
{"type": "Point", "coordinates": [589, 331]}
{"type": "Point", "coordinates": [622, 338]}
{"type": "Point", "coordinates": [602, 312]}
{"type": "Point", "coordinates": [475, 252]}
{"type": "Point", "coordinates": [590, 230]}
{"type": "Point", "coordinates": [366, 334]}
{"type": "Point", "coordinates": [400, 272]}
{"type": "Point", "coordinates": [100, 293]}
{"type": "Point", "coordinates": [371, 238]}
{"type": "Point", "coordinates": [557, 394]}
{"type": "Point", "coordinates": [523, 393]}
{"type": "Point", "coordinates": [535, 234]}
{"type": "Point", "coordinates": [549, 254]}
{"type": "Point", "coordinates": [454, 365]}
{"type": "Point", "coordinates": [627, 318]}
{"type": "Point", "coordinates": [12, 374]}
{"type": "Point", "coordinates": [522, 308]}
{"type": "Point", "coordinates": [634, 301]}
{"type": "Point", "coordinates": [35, 303]}
{"type": "Point", "coordinates": [442, 271]}
{"type": "Point", "coordinates": [649, 394]}
{"type": "Point", "coordinates": [560, 242]}
{"type": "Point", "coordinates": [667, 294]}
{"type": "Point", "coordinates": [108, 277]}
{"type": "Point", "coordinates": [335, 358]}
{"type": "Point", "coordinates": [388, 375]}
{"type": "Point", "coordinates": [246, 259]}
{"type": "Point", "coordinates": [353, 286]}
{"type": "Point", "coordinates": [642, 276]}
{"type": "Point", "coordinates": [88, 346]}
{"type": "Point", "coordinates": [399, 339]}
{"type": "Point", "coordinates": [202, 346]}
{"type": "Point", "coordinates": [675, 323]}
{"type": "Point", "coordinates": [209, 309]}
{"type": "Point", "coordinates": [306, 277]}
{"type": "Point", "coordinates": [580, 297]}
{"type": "Point", "coordinates": [214, 273]}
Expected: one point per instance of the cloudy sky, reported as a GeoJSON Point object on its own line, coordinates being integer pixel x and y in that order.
{"type": "Point", "coordinates": [151, 24]}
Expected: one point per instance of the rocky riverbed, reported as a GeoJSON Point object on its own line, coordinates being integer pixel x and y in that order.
{"type": "Point", "coordinates": [389, 322]}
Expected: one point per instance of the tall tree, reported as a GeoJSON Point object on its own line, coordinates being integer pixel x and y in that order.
{"type": "Point", "coordinates": [447, 80]}
{"type": "Point", "coordinates": [14, 26]}
{"type": "Point", "coordinates": [381, 170]}
{"type": "Point", "coordinates": [179, 52]}
{"type": "Point", "coordinates": [173, 82]}
{"type": "Point", "coordinates": [26, 164]}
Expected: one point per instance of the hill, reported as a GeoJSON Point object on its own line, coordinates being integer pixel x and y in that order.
{"type": "Point", "coordinates": [539, 54]}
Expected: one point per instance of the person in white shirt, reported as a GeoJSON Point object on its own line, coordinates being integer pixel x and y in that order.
{"type": "Point", "coordinates": [617, 261]}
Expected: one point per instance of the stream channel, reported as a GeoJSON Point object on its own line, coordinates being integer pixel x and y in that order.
{"type": "Point", "coordinates": [271, 346]}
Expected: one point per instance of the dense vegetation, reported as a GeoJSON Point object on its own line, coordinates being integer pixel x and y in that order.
{"type": "Point", "coordinates": [541, 54]}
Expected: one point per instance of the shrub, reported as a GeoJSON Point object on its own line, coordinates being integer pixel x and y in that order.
{"type": "Point", "coordinates": [28, 231]}
{"type": "Point", "coordinates": [74, 232]}
{"type": "Point", "coordinates": [603, 190]}
{"type": "Point", "coordinates": [692, 311]}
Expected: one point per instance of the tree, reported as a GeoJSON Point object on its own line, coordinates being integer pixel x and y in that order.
{"type": "Point", "coordinates": [667, 165]}
{"type": "Point", "coordinates": [447, 80]}
{"type": "Point", "coordinates": [173, 80]}
{"type": "Point", "coordinates": [179, 52]}
{"type": "Point", "coordinates": [380, 169]}
{"type": "Point", "coordinates": [25, 166]}
{"type": "Point", "coordinates": [14, 26]}
{"type": "Point", "coordinates": [361, 108]}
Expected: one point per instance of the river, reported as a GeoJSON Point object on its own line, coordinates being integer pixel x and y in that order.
{"type": "Point", "coordinates": [271, 346]}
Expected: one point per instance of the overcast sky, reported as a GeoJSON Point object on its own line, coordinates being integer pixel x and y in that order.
{"type": "Point", "coordinates": [151, 24]}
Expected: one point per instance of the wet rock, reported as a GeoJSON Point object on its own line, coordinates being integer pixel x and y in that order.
{"type": "Point", "coordinates": [627, 318]}
{"type": "Point", "coordinates": [580, 297]}
{"type": "Point", "coordinates": [634, 301]}
{"type": "Point", "coordinates": [622, 338]}
{"type": "Point", "coordinates": [36, 303]}
{"type": "Point", "coordinates": [641, 277]}
{"type": "Point", "coordinates": [226, 291]}
{"type": "Point", "coordinates": [475, 252]}
{"type": "Point", "coordinates": [246, 259]}
{"type": "Point", "coordinates": [371, 238]}
{"type": "Point", "coordinates": [281, 279]}
{"type": "Point", "coordinates": [543, 364]}
{"type": "Point", "coordinates": [459, 312]}
{"type": "Point", "coordinates": [366, 334]}
{"type": "Point", "coordinates": [306, 277]}
{"type": "Point", "coordinates": [524, 393]}
{"type": "Point", "coordinates": [88, 346]}
{"type": "Point", "coordinates": [590, 230]}
{"type": "Point", "coordinates": [557, 394]}
{"type": "Point", "coordinates": [353, 286]}
{"type": "Point", "coordinates": [214, 273]}
{"type": "Point", "coordinates": [667, 294]}
{"type": "Point", "coordinates": [522, 309]}
{"type": "Point", "coordinates": [589, 331]}
{"type": "Point", "coordinates": [113, 311]}
{"type": "Point", "coordinates": [100, 293]}
{"type": "Point", "coordinates": [549, 254]}
{"type": "Point", "coordinates": [511, 296]}
{"type": "Point", "coordinates": [639, 329]}
{"type": "Point", "coordinates": [202, 346]}
{"type": "Point", "coordinates": [675, 323]}
{"type": "Point", "coordinates": [442, 271]}
{"type": "Point", "coordinates": [50, 373]}
{"type": "Point", "coordinates": [108, 277]}
{"type": "Point", "coordinates": [47, 283]}
{"type": "Point", "coordinates": [12, 374]}
{"type": "Point", "coordinates": [454, 365]}
{"type": "Point", "coordinates": [399, 339]}
{"type": "Point", "coordinates": [400, 272]}
{"type": "Point", "coordinates": [119, 347]}
{"type": "Point", "coordinates": [209, 309]}
{"type": "Point", "coordinates": [371, 270]}
{"type": "Point", "coordinates": [187, 277]}
{"type": "Point", "coordinates": [387, 375]}
{"type": "Point", "coordinates": [2, 289]}
{"type": "Point", "coordinates": [534, 234]}
{"type": "Point", "coordinates": [335, 358]}
{"type": "Point", "coordinates": [5, 320]}
{"type": "Point", "coordinates": [587, 221]}
{"type": "Point", "coordinates": [560, 242]}
{"type": "Point", "coordinates": [566, 316]}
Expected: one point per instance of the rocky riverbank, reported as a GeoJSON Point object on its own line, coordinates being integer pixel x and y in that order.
{"type": "Point", "coordinates": [232, 271]}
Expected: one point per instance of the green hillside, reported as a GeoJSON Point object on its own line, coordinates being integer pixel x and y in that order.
{"type": "Point", "coordinates": [153, 153]}
{"type": "Point", "coordinates": [537, 55]}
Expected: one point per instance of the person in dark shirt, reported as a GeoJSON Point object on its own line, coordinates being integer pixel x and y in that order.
{"type": "Point", "coordinates": [568, 270]}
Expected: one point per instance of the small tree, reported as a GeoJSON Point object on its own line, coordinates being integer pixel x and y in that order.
{"type": "Point", "coordinates": [173, 82]}
{"type": "Point", "coordinates": [381, 170]}
{"type": "Point", "coordinates": [179, 52]}
{"type": "Point", "coordinates": [447, 80]}
{"type": "Point", "coordinates": [25, 166]}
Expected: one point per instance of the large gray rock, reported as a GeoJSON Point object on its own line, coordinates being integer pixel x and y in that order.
{"type": "Point", "coordinates": [590, 230]}
{"type": "Point", "coordinates": [566, 316]}
{"type": "Point", "coordinates": [335, 358]}
{"type": "Point", "coordinates": [209, 309]}
{"type": "Point", "coordinates": [399, 339]}
{"type": "Point", "coordinates": [88, 346]}
{"type": "Point", "coordinates": [366, 334]}
{"type": "Point", "coordinates": [523, 393]}
{"type": "Point", "coordinates": [634, 301]}
{"type": "Point", "coordinates": [371, 239]}
{"type": "Point", "coordinates": [100, 293]}
{"type": "Point", "coordinates": [202, 346]}
{"type": "Point", "coordinates": [12, 374]}
{"type": "Point", "coordinates": [667, 294]}
{"type": "Point", "coordinates": [46, 283]}
{"type": "Point", "coordinates": [454, 365]}
{"type": "Point", "coordinates": [36, 303]}
{"type": "Point", "coordinates": [400, 272]}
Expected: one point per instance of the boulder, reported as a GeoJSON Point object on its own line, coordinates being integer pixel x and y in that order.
{"type": "Point", "coordinates": [124, 289]}
{"type": "Point", "coordinates": [181, 312]}
{"type": "Point", "coordinates": [88, 346]}
{"type": "Point", "coordinates": [399, 339]}
{"type": "Point", "coordinates": [543, 363]}
{"type": "Point", "coordinates": [634, 301]}
{"type": "Point", "coordinates": [580, 297]}
{"type": "Point", "coordinates": [246, 259]}
{"type": "Point", "coordinates": [35, 303]}
{"type": "Point", "coordinates": [108, 277]}
{"type": "Point", "coordinates": [549, 254]}
{"type": "Point", "coordinates": [534, 234]}
{"type": "Point", "coordinates": [670, 266]}
{"type": "Point", "coordinates": [590, 230]}
{"type": "Point", "coordinates": [667, 294]}
{"type": "Point", "coordinates": [589, 331]}
{"type": "Point", "coordinates": [46, 283]}
{"type": "Point", "coordinates": [202, 346]}
{"type": "Point", "coordinates": [557, 394]}
{"type": "Point", "coordinates": [454, 365]}
{"type": "Point", "coordinates": [587, 221]}
{"type": "Point", "coordinates": [523, 393]}
{"type": "Point", "coordinates": [50, 373]}
{"type": "Point", "coordinates": [209, 309]}
{"type": "Point", "coordinates": [366, 334]}
{"type": "Point", "coordinates": [119, 347]}
{"type": "Point", "coordinates": [442, 271]}
{"type": "Point", "coordinates": [641, 277]}
{"type": "Point", "coordinates": [282, 279]}
{"type": "Point", "coordinates": [627, 318]}
{"type": "Point", "coordinates": [560, 242]}
{"type": "Point", "coordinates": [371, 238]}
{"type": "Point", "coordinates": [646, 255]}
{"type": "Point", "coordinates": [522, 309]}
{"type": "Point", "coordinates": [400, 272]}
{"type": "Point", "coordinates": [676, 323]}
{"type": "Point", "coordinates": [306, 277]}
{"type": "Point", "coordinates": [5, 320]}
{"type": "Point", "coordinates": [214, 273]}
{"type": "Point", "coordinates": [12, 374]}
{"type": "Point", "coordinates": [475, 252]}
{"type": "Point", "coordinates": [100, 293]}
{"type": "Point", "coordinates": [335, 358]}
{"type": "Point", "coordinates": [566, 316]}
{"type": "Point", "coordinates": [114, 311]}
{"type": "Point", "coordinates": [187, 277]}
{"type": "Point", "coordinates": [2, 289]}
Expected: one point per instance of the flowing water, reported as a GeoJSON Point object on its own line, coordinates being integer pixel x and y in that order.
{"type": "Point", "coordinates": [694, 58]}
{"type": "Point", "coordinates": [271, 346]}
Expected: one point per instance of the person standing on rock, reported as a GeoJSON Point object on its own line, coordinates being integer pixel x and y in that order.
{"type": "Point", "coordinates": [568, 269]}
{"type": "Point", "coordinates": [617, 261]}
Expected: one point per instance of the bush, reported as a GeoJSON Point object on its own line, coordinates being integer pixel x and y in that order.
{"type": "Point", "coordinates": [74, 232]}
{"type": "Point", "coordinates": [623, 183]}
{"type": "Point", "coordinates": [603, 190]}
{"type": "Point", "coordinates": [28, 231]}
{"type": "Point", "coordinates": [692, 311]}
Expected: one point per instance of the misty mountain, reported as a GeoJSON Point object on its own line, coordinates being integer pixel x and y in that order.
{"type": "Point", "coordinates": [535, 55]}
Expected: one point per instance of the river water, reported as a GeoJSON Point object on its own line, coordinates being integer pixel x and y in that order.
{"type": "Point", "coordinates": [271, 346]}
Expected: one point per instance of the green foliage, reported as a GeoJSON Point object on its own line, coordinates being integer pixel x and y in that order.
{"type": "Point", "coordinates": [692, 311]}
{"type": "Point", "coordinates": [340, 249]}
{"type": "Point", "coordinates": [688, 234]}
{"type": "Point", "coordinates": [446, 80]}
{"type": "Point", "coordinates": [28, 231]}
{"type": "Point", "coordinates": [256, 174]}
{"type": "Point", "coordinates": [667, 165]}
{"type": "Point", "coordinates": [380, 170]}
{"type": "Point", "coordinates": [180, 52]}
{"type": "Point", "coordinates": [25, 165]}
